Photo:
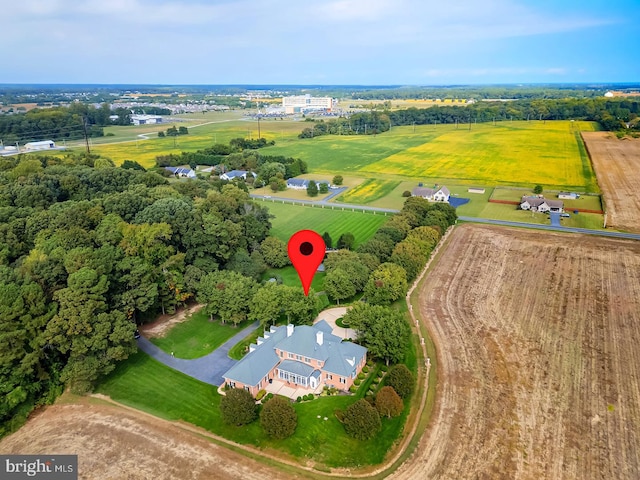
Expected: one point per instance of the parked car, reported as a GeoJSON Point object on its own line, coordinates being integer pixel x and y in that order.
{"type": "Point", "coordinates": [565, 215]}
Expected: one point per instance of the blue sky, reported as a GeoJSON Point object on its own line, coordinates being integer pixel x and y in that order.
{"type": "Point", "coordinates": [367, 42]}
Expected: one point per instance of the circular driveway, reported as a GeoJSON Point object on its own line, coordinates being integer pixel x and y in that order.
{"type": "Point", "coordinates": [330, 315]}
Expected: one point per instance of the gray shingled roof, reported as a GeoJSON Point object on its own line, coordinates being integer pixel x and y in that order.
{"type": "Point", "coordinates": [298, 368]}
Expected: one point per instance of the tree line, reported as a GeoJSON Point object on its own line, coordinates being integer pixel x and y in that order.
{"type": "Point", "coordinates": [88, 251]}
{"type": "Point", "coordinates": [611, 113]}
{"type": "Point", "coordinates": [60, 123]}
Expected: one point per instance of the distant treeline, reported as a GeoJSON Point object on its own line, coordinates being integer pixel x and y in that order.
{"type": "Point", "coordinates": [611, 114]}
{"type": "Point", "coordinates": [149, 110]}
{"type": "Point", "coordinates": [59, 123]}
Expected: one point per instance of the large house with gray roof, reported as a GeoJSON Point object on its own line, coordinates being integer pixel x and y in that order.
{"type": "Point", "coordinates": [436, 194]}
{"type": "Point", "coordinates": [541, 204]}
{"type": "Point", "coordinates": [307, 357]}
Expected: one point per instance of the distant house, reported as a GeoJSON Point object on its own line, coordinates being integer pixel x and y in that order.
{"type": "Point", "coordinates": [236, 174]}
{"type": "Point", "coordinates": [541, 204]}
{"type": "Point", "coordinates": [302, 357]}
{"type": "Point", "coordinates": [181, 172]}
{"type": "Point", "coordinates": [438, 194]}
{"type": "Point", "coordinates": [568, 195]}
{"type": "Point", "coordinates": [301, 184]}
{"type": "Point", "coordinates": [42, 145]}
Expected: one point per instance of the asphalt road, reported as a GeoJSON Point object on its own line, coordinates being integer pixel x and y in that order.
{"type": "Point", "coordinates": [208, 369]}
{"type": "Point", "coordinates": [347, 206]}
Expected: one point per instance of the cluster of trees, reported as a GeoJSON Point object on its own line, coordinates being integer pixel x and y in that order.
{"type": "Point", "coordinates": [278, 417]}
{"type": "Point", "coordinates": [611, 113]}
{"type": "Point", "coordinates": [365, 123]}
{"type": "Point", "coordinates": [362, 419]}
{"type": "Point", "coordinates": [174, 132]}
{"type": "Point", "coordinates": [150, 110]}
{"type": "Point", "coordinates": [88, 250]}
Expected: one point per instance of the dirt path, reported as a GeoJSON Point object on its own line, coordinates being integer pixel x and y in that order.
{"type": "Point", "coordinates": [164, 323]}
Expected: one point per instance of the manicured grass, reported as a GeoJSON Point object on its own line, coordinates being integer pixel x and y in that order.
{"type": "Point", "coordinates": [291, 218]}
{"type": "Point", "coordinates": [196, 337]}
{"type": "Point", "coordinates": [146, 384]}
{"type": "Point", "coordinates": [290, 277]}
{"type": "Point", "coordinates": [368, 191]}
{"type": "Point", "coordinates": [512, 213]}
{"type": "Point", "coordinates": [589, 202]}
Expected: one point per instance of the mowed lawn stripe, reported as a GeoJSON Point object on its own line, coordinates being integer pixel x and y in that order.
{"type": "Point", "coordinates": [291, 218]}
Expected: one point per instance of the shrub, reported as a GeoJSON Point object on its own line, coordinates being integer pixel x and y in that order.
{"type": "Point", "coordinates": [238, 407]}
{"type": "Point", "coordinates": [261, 394]}
{"type": "Point", "coordinates": [361, 376]}
{"type": "Point", "coordinates": [353, 388]}
{"type": "Point", "coordinates": [278, 418]}
{"type": "Point", "coordinates": [388, 402]}
{"type": "Point", "coordinates": [401, 380]}
{"type": "Point", "coordinates": [268, 397]}
{"type": "Point", "coordinates": [406, 193]}
{"type": "Point", "coordinates": [337, 180]}
{"type": "Point", "coordinates": [361, 420]}
{"type": "Point", "coordinates": [365, 369]}
{"type": "Point", "coordinates": [309, 396]}
{"type": "Point", "coordinates": [357, 381]}
{"type": "Point", "coordinates": [299, 399]}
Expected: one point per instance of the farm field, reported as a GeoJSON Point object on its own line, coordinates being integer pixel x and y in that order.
{"type": "Point", "coordinates": [368, 191]}
{"type": "Point", "coordinates": [537, 357]}
{"type": "Point", "coordinates": [291, 218]}
{"type": "Point", "coordinates": [617, 166]}
{"type": "Point", "coordinates": [510, 153]}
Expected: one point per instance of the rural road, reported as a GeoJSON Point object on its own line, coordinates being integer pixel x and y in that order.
{"type": "Point", "coordinates": [208, 369]}
{"type": "Point", "coordinates": [348, 206]}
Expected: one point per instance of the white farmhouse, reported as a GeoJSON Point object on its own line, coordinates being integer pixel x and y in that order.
{"type": "Point", "coordinates": [440, 194]}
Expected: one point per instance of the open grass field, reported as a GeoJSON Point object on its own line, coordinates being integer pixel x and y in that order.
{"type": "Point", "coordinates": [368, 191]}
{"type": "Point", "coordinates": [617, 165]}
{"type": "Point", "coordinates": [291, 218]}
{"type": "Point", "coordinates": [195, 337]}
{"type": "Point", "coordinates": [537, 357]}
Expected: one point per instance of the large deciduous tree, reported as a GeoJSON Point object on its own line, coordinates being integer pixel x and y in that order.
{"type": "Point", "coordinates": [274, 252]}
{"type": "Point", "coordinates": [386, 284]}
{"type": "Point", "coordinates": [384, 331]}
{"type": "Point", "coordinates": [278, 418]}
{"type": "Point", "coordinates": [238, 407]}
{"type": "Point", "coordinates": [226, 294]}
{"type": "Point", "coordinates": [361, 420]}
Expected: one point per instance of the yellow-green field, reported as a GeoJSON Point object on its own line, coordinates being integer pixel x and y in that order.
{"type": "Point", "coordinates": [369, 190]}
{"type": "Point", "coordinates": [516, 153]}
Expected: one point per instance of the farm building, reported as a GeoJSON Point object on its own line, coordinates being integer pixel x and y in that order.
{"type": "Point", "coordinates": [568, 195]}
{"type": "Point", "coordinates": [42, 145]}
{"type": "Point", "coordinates": [181, 172]}
{"type": "Point", "coordinates": [236, 174]}
{"type": "Point", "coordinates": [437, 194]}
{"type": "Point", "coordinates": [306, 103]}
{"type": "Point", "coordinates": [541, 204]}
{"type": "Point", "coordinates": [475, 190]}
{"type": "Point", "coordinates": [302, 357]}
{"type": "Point", "coordinates": [146, 119]}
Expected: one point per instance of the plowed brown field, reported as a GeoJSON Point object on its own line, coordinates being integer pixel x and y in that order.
{"type": "Point", "coordinates": [617, 166]}
{"type": "Point", "coordinates": [538, 365]}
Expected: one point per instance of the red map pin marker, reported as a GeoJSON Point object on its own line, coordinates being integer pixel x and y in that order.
{"type": "Point", "coordinates": [306, 250]}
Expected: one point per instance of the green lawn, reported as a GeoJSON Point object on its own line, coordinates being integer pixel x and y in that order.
{"type": "Point", "coordinates": [291, 218]}
{"type": "Point", "coordinates": [290, 277]}
{"type": "Point", "coordinates": [148, 385]}
{"type": "Point", "coordinates": [196, 337]}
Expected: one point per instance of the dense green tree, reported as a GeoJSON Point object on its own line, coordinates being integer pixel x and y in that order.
{"type": "Point", "coordinates": [400, 378]}
{"type": "Point", "coordinates": [274, 252]}
{"type": "Point", "coordinates": [266, 305]}
{"type": "Point", "coordinates": [409, 256]}
{"type": "Point", "coordinates": [384, 331]}
{"type": "Point", "coordinates": [278, 418]}
{"type": "Point", "coordinates": [346, 241]}
{"type": "Point", "coordinates": [92, 338]}
{"type": "Point", "coordinates": [250, 265]}
{"type": "Point", "coordinates": [386, 284]}
{"type": "Point", "coordinates": [312, 188]}
{"type": "Point", "coordinates": [537, 189]}
{"type": "Point", "coordinates": [323, 188]}
{"type": "Point", "coordinates": [380, 245]}
{"type": "Point", "coordinates": [238, 407]}
{"type": "Point", "coordinates": [361, 420]}
{"type": "Point", "coordinates": [338, 284]}
{"type": "Point", "coordinates": [337, 180]}
{"type": "Point", "coordinates": [328, 242]}
{"type": "Point", "coordinates": [299, 309]}
{"type": "Point", "coordinates": [388, 402]}
{"type": "Point", "coordinates": [226, 294]}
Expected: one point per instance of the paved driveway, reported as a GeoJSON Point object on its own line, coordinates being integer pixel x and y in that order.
{"type": "Point", "coordinates": [330, 316]}
{"type": "Point", "coordinates": [209, 368]}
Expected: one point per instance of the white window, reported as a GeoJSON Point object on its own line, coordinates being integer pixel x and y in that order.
{"type": "Point", "coordinates": [290, 355]}
{"type": "Point", "coordinates": [329, 377]}
{"type": "Point", "coordinates": [343, 380]}
{"type": "Point", "coordinates": [307, 359]}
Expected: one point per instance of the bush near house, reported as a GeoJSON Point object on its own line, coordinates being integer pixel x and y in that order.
{"type": "Point", "coordinates": [238, 407]}
{"type": "Point", "coordinates": [361, 420]}
{"type": "Point", "coordinates": [388, 402]}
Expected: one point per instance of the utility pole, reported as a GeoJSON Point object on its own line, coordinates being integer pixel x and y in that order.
{"type": "Point", "coordinates": [86, 137]}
